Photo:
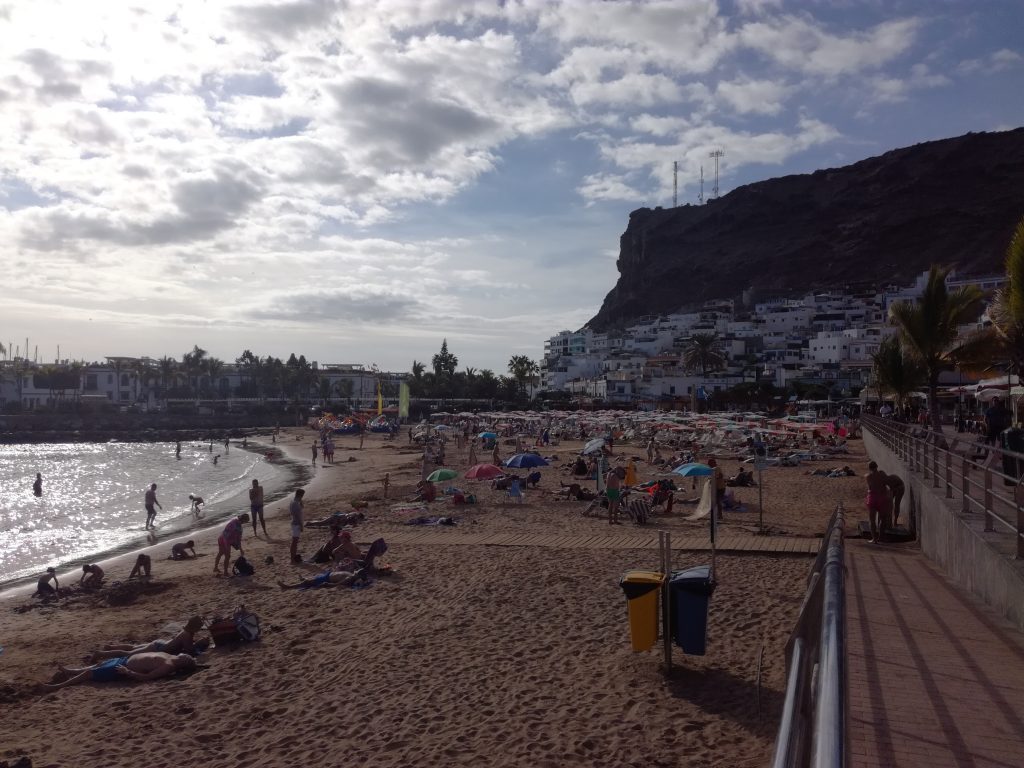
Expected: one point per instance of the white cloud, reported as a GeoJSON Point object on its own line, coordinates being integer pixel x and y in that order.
{"type": "Point", "coordinates": [608, 186]}
{"type": "Point", "coordinates": [760, 97]}
{"type": "Point", "coordinates": [997, 61]}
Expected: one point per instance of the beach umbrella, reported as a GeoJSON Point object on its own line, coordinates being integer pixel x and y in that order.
{"type": "Point", "coordinates": [693, 469]}
{"type": "Point", "coordinates": [594, 445]}
{"type": "Point", "coordinates": [442, 474]}
{"type": "Point", "coordinates": [526, 461]}
{"type": "Point", "coordinates": [484, 472]}
{"type": "Point", "coordinates": [488, 435]}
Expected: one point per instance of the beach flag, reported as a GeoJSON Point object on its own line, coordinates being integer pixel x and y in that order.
{"type": "Point", "coordinates": [380, 400]}
{"type": "Point", "coordinates": [403, 400]}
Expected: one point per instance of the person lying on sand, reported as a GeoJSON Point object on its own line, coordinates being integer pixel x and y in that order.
{"type": "Point", "coordinates": [327, 579]}
{"type": "Point", "coordinates": [337, 520]}
{"type": "Point", "coordinates": [577, 492]}
{"type": "Point", "coordinates": [92, 576]}
{"type": "Point", "coordinates": [183, 642]}
{"type": "Point", "coordinates": [180, 551]}
{"type": "Point", "coordinates": [141, 666]}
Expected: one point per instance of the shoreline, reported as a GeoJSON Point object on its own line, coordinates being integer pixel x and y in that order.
{"type": "Point", "coordinates": [124, 557]}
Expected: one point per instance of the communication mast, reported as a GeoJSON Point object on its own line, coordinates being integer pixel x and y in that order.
{"type": "Point", "coordinates": [700, 197]}
{"type": "Point", "coordinates": [675, 183]}
{"type": "Point", "coordinates": [716, 154]}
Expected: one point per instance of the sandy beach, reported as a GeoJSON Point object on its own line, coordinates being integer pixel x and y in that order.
{"type": "Point", "coordinates": [467, 654]}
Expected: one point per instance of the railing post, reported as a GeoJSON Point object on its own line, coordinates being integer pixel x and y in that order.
{"type": "Point", "coordinates": [1020, 530]}
{"type": "Point", "coordinates": [924, 457]}
{"type": "Point", "coordinates": [935, 462]}
{"type": "Point", "coordinates": [949, 472]}
{"type": "Point", "coordinates": [965, 484]}
{"type": "Point", "coordinates": [988, 499]}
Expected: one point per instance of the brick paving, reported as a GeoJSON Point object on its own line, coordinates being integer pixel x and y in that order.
{"type": "Point", "coordinates": [936, 678]}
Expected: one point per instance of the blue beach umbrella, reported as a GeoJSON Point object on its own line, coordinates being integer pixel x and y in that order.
{"type": "Point", "coordinates": [488, 435]}
{"type": "Point", "coordinates": [693, 469]}
{"type": "Point", "coordinates": [526, 461]}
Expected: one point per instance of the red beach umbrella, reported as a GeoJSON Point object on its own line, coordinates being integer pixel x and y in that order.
{"type": "Point", "coordinates": [484, 472]}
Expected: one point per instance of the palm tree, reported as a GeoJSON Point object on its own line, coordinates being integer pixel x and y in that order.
{"type": "Point", "coordinates": [193, 363]}
{"type": "Point", "coordinates": [167, 367]}
{"type": "Point", "coordinates": [895, 371]}
{"type": "Point", "coordinates": [522, 368]}
{"type": "Point", "coordinates": [928, 329]}
{"type": "Point", "coordinates": [704, 352]}
{"type": "Point", "coordinates": [214, 368]}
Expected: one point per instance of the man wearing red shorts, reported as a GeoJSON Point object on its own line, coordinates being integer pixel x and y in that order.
{"type": "Point", "coordinates": [878, 498]}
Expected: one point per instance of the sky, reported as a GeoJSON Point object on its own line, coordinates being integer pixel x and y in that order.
{"type": "Point", "coordinates": [357, 181]}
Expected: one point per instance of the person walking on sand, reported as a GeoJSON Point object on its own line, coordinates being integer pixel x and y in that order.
{"type": "Point", "coordinates": [227, 445]}
{"type": "Point", "coordinates": [150, 510]}
{"type": "Point", "coordinates": [295, 510]}
{"type": "Point", "coordinates": [230, 538]}
{"type": "Point", "coordinates": [37, 486]}
{"type": "Point", "coordinates": [256, 507]}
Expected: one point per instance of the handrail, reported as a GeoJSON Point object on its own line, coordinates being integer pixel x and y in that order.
{"type": "Point", "coordinates": [812, 730]}
{"type": "Point", "coordinates": [979, 474]}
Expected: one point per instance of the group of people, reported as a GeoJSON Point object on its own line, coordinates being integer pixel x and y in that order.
{"type": "Point", "coordinates": [885, 492]}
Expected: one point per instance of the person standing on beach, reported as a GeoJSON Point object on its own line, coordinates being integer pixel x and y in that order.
{"type": "Point", "coordinates": [313, 448]}
{"type": "Point", "coordinates": [256, 507]}
{"type": "Point", "coordinates": [150, 502]}
{"type": "Point", "coordinates": [295, 510]}
{"type": "Point", "coordinates": [227, 445]}
{"type": "Point", "coordinates": [613, 490]}
{"type": "Point", "coordinates": [37, 486]}
{"type": "Point", "coordinates": [177, 450]}
{"type": "Point", "coordinates": [230, 538]}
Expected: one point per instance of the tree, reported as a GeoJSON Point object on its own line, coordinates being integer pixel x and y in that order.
{"type": "Point", "coordinates": [522, 369]}
{"type": "Point", "coordinates": [193, 363]}
{"type": "Point", "coordinates": [896, 371]}
{"type": "Point", "coordinates": [167, 366]}
{"type": "Point", "coordinates": [444, 362]}
{"type": "Point", "coordinates": [928, 329]}
{"type": "Point", "coordinates": [703, 352]}
{"type": "Point", "coordinates": [214, 368]}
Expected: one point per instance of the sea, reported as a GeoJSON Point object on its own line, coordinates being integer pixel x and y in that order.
{"type": "Point", "coordinates": [92, 504]}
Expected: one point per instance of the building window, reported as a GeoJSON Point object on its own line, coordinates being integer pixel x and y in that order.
{"type": "Point", "coordinates": [110, 378]}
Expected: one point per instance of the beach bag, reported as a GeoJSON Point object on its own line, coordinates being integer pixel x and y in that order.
{"type": "Point", "coordinates": [243, 567]}
{"type": "Point", "coordinates": [243, 627]}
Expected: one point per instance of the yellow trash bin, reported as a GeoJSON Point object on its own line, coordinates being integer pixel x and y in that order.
{"type": "Point", "coordinates": [642, 588]}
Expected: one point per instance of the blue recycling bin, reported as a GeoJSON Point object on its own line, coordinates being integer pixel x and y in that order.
{"type": "Point", "coordinates": [689, 594]}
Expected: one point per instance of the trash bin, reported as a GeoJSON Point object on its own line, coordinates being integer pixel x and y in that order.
{"type": "Point", "coordinates": [1012, 439]}
{"type": "Point", "coordinates": [641, 588]}
{"type": "Point", "coordinates": [689, 592]}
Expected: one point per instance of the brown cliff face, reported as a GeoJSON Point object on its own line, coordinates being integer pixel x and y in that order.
{"type": "Point", "coordinates": [880, 221]}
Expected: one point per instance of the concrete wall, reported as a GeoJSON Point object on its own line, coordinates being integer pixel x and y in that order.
{"type": "Point", "coordinates": [979, 561]}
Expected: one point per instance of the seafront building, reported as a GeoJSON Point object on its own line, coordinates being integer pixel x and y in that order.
{"type": "Point", "coordinates": [821, 341]}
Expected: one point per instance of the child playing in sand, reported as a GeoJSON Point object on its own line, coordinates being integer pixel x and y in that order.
{"type": "Point", "coordinates": [180, 551]}
{"type": "Point", "coordinates": [143, 566]}
{"type": "Point", "coordinates": [197, 502]}
{"type": "Point", "coordinates": [92, 576]}
{"type": "Point", "coordinates": [43, 588]}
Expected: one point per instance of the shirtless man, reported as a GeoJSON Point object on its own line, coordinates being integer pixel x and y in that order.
{"type": "Point", "coordinates": [327, 579]}
{"type": "Point", "coordinates": [183, 642]}
{"type": "Point", "coordinates": [256, 507]}
{"type": "Point", "coordinates": [878, 498]}
{"type": "Point", "coordinates": [897, 489]}
{"type": "Point", "coordinates": [346, 549]}
{"type": "Point", "coordinates": [613, 490]}
{"type": "Point", "coordinates": [141, 666]}
{"type": "Point", "coordinates": [150, 501]}
{"type": "Point", "coordinates": [92, 576]}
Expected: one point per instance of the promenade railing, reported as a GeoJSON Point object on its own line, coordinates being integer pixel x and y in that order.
{"type": "Point", "coordinates": [989, 480]}
{"type": "Point", "coordinates": [812, 731]}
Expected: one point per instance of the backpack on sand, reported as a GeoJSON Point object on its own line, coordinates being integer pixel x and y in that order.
{"type": "Point", "coordinates": [243, 567]}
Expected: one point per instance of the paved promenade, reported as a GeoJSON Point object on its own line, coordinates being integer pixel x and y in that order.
{"type": "Point", "coordinates": [936, 678]}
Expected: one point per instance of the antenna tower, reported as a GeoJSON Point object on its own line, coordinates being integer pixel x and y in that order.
{"type": "Point", "coordinates": [700, 197]}
{"type": "Point", "coordinates": [716, 154]}
{"type": "Point", "coordinates": [675, 183]}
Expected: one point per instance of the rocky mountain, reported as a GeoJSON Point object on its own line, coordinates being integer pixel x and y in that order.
{"type": "Point", "coordinates": [880, 221]}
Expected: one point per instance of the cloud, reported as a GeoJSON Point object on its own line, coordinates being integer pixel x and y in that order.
{"type": "Point", "coordinates": [796, 43]}
{"type": "Point", "coordinates": [760, 97]}
{"type": "Point", "coordinates": [350, 306]}
{"type": "Point", "coordinates": [997, 61]}
{"type": "Point", "coordinates": [607, 186]}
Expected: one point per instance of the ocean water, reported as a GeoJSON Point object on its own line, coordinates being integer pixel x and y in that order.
{"type": "Point", "coordinates": [93, 497]}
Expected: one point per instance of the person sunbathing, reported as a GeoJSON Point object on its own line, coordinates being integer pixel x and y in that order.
{"type": "Point", "coordinates": [577, 492]}
{"type": "Point", "coordinates": [337, 520]}
{"type": "Point", "coordinates": [326, 552]}
{"type": "Point", "coordinates": [141, 666]}
{"type": "Point", "coordinates": [183, 642]}
{"type": "Point", "coordinates": [92, 577]}
{"type": "Point", "coordinates": [328, 579]}
{"type": "Point", "coordinates": [346, 549]}
{"type": "Point", "coordinates": [180, 551]}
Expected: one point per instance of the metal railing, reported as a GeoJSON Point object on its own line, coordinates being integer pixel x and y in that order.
{"type": "Point", "coordinates": [987, 479]}
{"type": "Point", "coordinates": [812, 731]}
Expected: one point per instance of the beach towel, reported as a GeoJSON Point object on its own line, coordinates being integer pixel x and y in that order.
{"type": "Point", "coordinates": [638, 507]}
{"type": "Point", "coordinates": [431, 521]}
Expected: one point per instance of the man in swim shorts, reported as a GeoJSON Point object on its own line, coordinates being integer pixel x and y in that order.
{"type": "Point", "coordinates": [256, 506]}
{"type": "Point", "coordinates": [141, 666]}
{"type": "Point", "coordinates": [877, 499]}
{"type": "Point", "coordinates": [613, 490]}
{"type": "Point", "coordinates": [150, 501]}
{"type": "Point", "coordinates": [182, 642]}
